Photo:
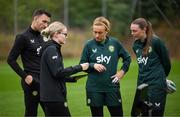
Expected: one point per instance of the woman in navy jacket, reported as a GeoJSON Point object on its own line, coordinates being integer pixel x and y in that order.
{"type": "Point", "coordinates": [53, 74]}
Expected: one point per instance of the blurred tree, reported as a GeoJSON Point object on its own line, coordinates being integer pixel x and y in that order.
{"type": "Point", "coordinates": [6, 15]}
{"type": "Point", "coordinates": [26, 8]}
{"type": "Point", "coordinates": [158, 11]}
{"type": "Point", "coordinates": [119, 14]}
{"type": "Point", "coordinates": [82, 12]}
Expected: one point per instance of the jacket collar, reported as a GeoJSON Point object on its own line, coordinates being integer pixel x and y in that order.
{"type": "Point", "coordinates": [103, 43]}
{"type": "Point", "coordinates": [33, 31]}
{"type": "Point", "coordinates": [56, 44]}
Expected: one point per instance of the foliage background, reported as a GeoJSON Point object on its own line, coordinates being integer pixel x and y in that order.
{"type": "Point", "coordinates": [16, 15]}
{"type": "Point", "coordinates": [164, 16]}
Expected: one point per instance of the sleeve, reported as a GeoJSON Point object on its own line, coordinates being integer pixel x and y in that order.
{"type": "Point", "coordinates": [17, 49]}
{"type": "Point", "coordinates": [126, 58]}
{"type": "Point", "coordinates": [69, 71]}
{"type": "Point", "coordinates": [163, 55]}
{"type": "Point", "coordinates": [55, 65]}
{"type": "Point", "coordinates": [70, 80]}
{"type": "Point", "coordinates": [85, 58]}
{"type": "Point", "coordinates": [75, 78]}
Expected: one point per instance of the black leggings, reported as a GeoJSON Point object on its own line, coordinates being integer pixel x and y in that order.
{"type": "Point", "coordinates": [115, 111]}
{"type": "Point", "coordinates": [56, 109]}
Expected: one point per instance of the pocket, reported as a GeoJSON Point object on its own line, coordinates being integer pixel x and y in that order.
{"type": "Point", "coordinates": [34, 84]}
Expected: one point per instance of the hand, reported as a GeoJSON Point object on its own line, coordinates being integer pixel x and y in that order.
{"type": "Point", "coordinates": [28, 79]}
{"type": "Point", "coordinates": [84, 66]}
{"type": "Point", "coordinates": [119, 75]}
{"type": "Point", "coordinates": [99, 67]}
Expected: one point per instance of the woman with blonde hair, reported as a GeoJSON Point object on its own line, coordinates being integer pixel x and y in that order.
{"type": "Point", "coordinates": [102, 52]}
{"type": "Point", "coordinates": [53, 74]}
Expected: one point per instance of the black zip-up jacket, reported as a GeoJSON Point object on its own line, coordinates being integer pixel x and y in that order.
{"type": "Point", "coordinates": [27, 45]}
{"type": "Point", "coordinates": [53, 74]}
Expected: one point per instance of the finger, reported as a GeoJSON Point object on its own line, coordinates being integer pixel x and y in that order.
{"type": "Point", "coordinates": [115, 80]}
{"type": "Point", "coordinates": [104, 68]}
{"type": "Point", "coordinates": [113, 76]}
{"type": "Point", "coordinates": [101, 70]}
{"type": "Point", "coordinates": [98, 69]}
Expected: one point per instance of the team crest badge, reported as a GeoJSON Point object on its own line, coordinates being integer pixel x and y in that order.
{"type": "Point", "coordinates": [111, 48]}
{"type": "Point", "coordinates": [89, 101]}
{"type": "Point", "coordinates": [65, 104]}
{"type": "Point", "coordinates": [150, 49]}
{"type": "Point", "coordinates": [137, 50]}
{"type": "Point", "coordinates": [34, 93]}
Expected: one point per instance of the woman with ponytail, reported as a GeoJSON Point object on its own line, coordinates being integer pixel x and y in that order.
{"type": "Point", "coordinates": [103, 52]}
{"type": "Point", "coordinates": [53, 75]}
{"type": "Point", "coordinates": [154, 67]}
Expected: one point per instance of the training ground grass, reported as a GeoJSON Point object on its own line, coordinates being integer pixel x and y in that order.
{"type": "Point", "coordinates": [11, 95]}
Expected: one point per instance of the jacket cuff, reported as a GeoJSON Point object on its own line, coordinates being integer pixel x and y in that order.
{"type": "Point", "coordinates": [91, 65]}
{"type": "Point", "coordinates": [78, 68]}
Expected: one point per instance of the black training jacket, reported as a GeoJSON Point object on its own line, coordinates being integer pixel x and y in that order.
{"type": "Point", "coordinates": [53, 74]}
{"type": "Point", "coordinates": [27, 45]}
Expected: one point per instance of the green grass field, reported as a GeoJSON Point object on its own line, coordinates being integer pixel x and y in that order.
{"type": "Point", "coordinates": [11, 95]}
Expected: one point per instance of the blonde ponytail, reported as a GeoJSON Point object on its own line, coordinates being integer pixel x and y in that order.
{"type": "Point", "coordinates": [51, 29]}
